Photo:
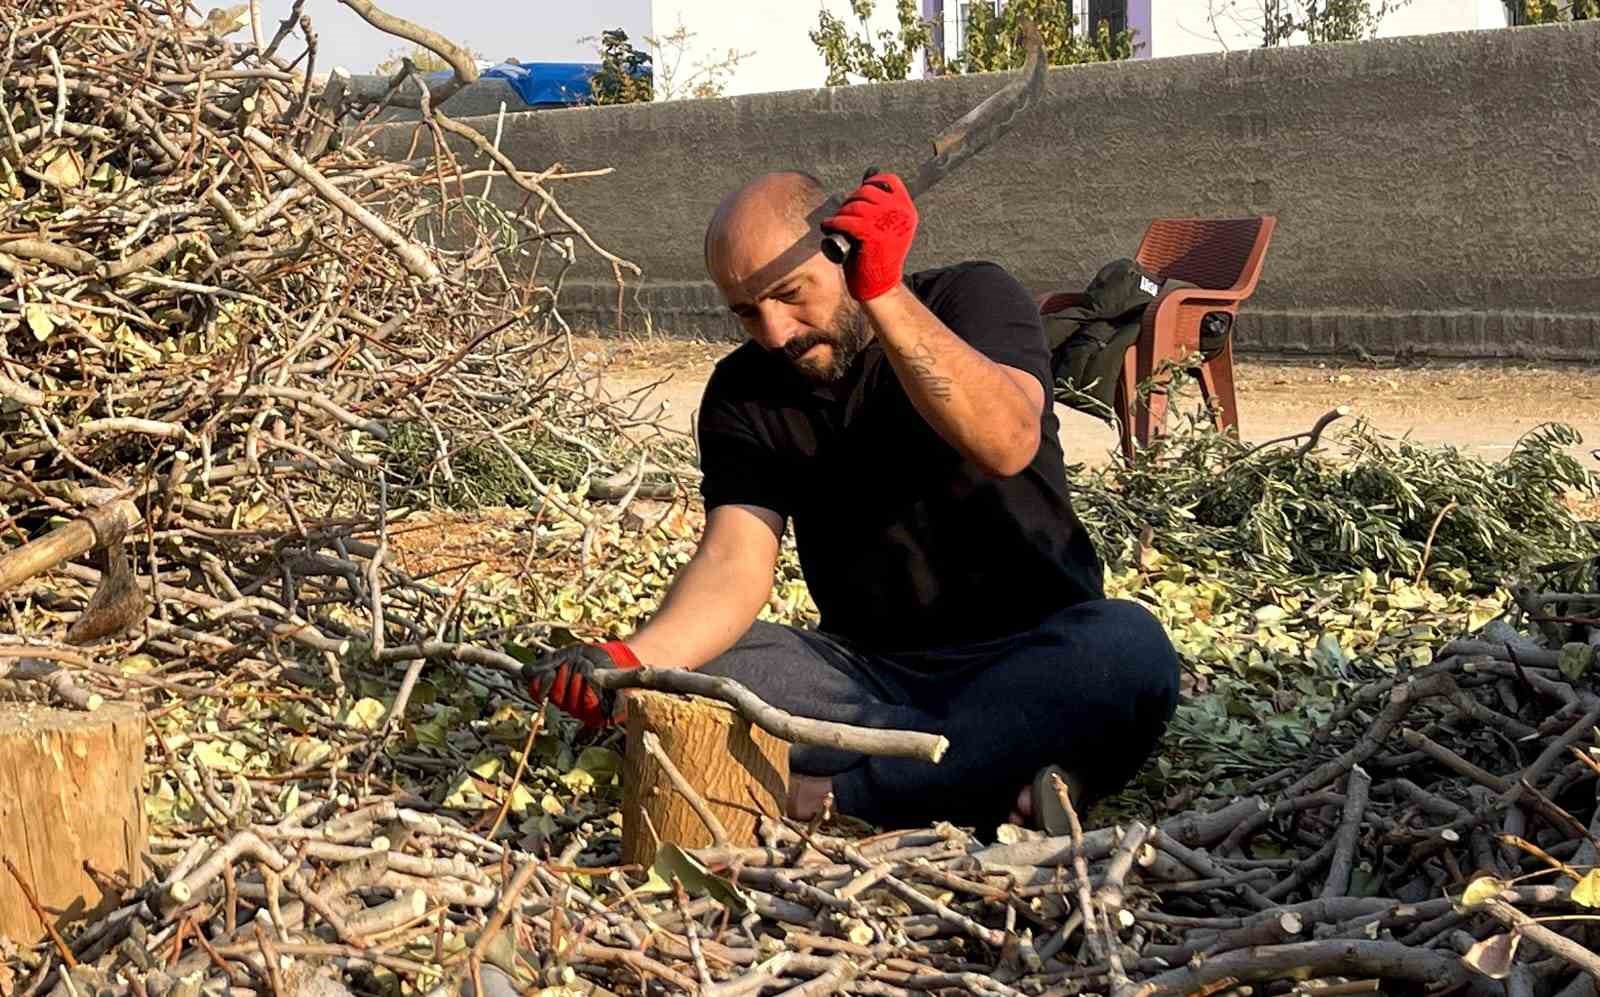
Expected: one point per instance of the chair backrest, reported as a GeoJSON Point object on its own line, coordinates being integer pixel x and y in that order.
{"type": "Point", "coordinates": [1216, 253]}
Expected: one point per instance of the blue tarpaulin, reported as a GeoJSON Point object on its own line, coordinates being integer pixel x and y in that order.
{"type": "Point", "coordinates": [542, 84]}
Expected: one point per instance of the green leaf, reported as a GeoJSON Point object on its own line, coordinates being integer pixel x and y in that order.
{"type": "Point", "coordinates": [137, 664]}
{"type": "Point", "coordinates": [1405, 598]}
{"type": "Point", "coordinates": [1587, 892]}
{"type": "Point", "coordinates": [1575, 660]}
{"type": "Point", "coordinates": [696, 879]}
{"type": "Point", "coordinates": [435, 733]}
{"type": "Point", "coordinates": [464, 795]}
{"type": "Point", "coordinates": [526, 655]}
{"type": "Point", "coordinates": [1479, 616]}
{"type": "Point", "coordinates": [521, 799]}
{"type": "Point", "coordinates": [601, 763]}
{"type": "Point", "coordinates": [1270, 614]}
{"type": "Point", "coordinates": [215, 755]}
{"type": "Point", "coordinates": [366, 714]}
{"type": "Point", "coordinates": [578, 781]}
{"type": "Point", "coordinates": [1330, 653]}
{"type": "Point", "coordinates": [39, 321]}
{"type": "Point", "coordinates": [1481, 889]}
{"type": "Point", "coordinates": [308, 751]}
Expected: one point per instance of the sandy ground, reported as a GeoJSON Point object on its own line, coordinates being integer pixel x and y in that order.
{"type": "Point", "coordinates": [1480, 408]}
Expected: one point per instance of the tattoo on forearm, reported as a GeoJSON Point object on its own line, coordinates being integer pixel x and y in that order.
{"type": "Point", "coordinates": [923, 364]}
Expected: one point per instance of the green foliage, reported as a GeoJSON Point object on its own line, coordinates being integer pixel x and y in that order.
{"type": "Point", "coordinates": [889, 56]}
{"type": "Point", "coordinates": [992, 40]}
{"type": "Point", "coordinates": [1554, 11]}
{"type": "Point", "coordinates": [1373, 506]}
{"type": "Point", "coordinates": [1285, 21]}
{"type": "Point", "coordinates": [1286, 578]}
{"type": "Point", "coordinates": [707, 77]}
{"type": "Point", "coordinates": [625, 72]}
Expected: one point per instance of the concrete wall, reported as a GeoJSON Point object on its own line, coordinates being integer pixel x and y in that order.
{"type": "Point", "coordinates": [1435, 195]}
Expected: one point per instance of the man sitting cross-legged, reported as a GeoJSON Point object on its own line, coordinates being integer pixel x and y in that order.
{"type": "Point", "coordinates": [904, 425]}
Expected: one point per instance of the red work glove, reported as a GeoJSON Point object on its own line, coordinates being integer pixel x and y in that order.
{"type": "Point", "coordinates": [882, 219]}
{"type": "Point", "coordinates": [565, 674]}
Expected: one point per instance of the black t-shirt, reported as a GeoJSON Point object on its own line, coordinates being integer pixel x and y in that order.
{"type": "Point", "coordinates": [905, 544]}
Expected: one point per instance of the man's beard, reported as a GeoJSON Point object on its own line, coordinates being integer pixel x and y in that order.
{"type": "Point", "coordinates": [846, 334]}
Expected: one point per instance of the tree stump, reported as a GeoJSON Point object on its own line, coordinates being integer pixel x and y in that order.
{"type": "Point", "coordinates": [719, 753]}
{"type": "Point", "coordinates": [70, 795]}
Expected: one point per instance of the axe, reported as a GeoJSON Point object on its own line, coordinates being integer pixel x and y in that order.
{"type": "Point", "coordinates": [117, 603]}
{"type": "Point", "coordinates": [976, 130]}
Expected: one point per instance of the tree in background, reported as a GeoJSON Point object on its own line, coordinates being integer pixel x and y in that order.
{"type": "Point", "coordinates": [1285, 22]}
{"type": "Point", "coordinates": [625, 72]}
{"type": "Point", "coordinates": [991, 41]}
{"type": "Point", "coordinates": [630, 75]}
{"type": "Point", "coordinates": [706, 78]}
{"type": "Point", "coordinates": [888, 57]}
{"type": "Point", "coordinates": [424, 59]}
{"type": "Point", "coordinates": [1554, 11]}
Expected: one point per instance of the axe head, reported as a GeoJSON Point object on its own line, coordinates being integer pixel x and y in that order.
{"type": "Point", "coordinates": [117, 603]}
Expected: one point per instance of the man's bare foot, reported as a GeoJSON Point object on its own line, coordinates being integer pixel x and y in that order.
{"type": "Point", "coordinates": [807, 793]}
{"type": "Point", "coordinates": [1022, 812]}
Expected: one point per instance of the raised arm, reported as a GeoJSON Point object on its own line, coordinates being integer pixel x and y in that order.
{"type": "Point", "coordinates": [987, 410]}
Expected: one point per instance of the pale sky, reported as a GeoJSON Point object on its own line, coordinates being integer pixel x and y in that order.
{"type": "Point", "coordinates": [532, 30]}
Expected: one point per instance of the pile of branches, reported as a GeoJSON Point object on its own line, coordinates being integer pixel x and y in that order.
{"type": "Point", "coordinates": [245, 345]}
{"type": "Point", "coordinates": [1385, 860]}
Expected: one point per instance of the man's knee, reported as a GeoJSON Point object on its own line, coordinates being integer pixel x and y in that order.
{"type": "Point", "coordinates": [1126, 634]}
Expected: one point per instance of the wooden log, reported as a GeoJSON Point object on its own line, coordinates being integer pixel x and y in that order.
{"type": "Point", "coordinates": [723, 758]}
{"type": "Point", "coordinates": [70, 795]}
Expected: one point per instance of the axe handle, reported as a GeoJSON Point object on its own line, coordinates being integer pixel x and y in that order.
{"type": "Point", "coordinates": [67, 542]}
{"type": "Point", "coordinates": [837, 248]}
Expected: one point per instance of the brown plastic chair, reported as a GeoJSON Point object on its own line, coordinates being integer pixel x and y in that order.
{"type": "Point", "coordinates": [1223, 257]}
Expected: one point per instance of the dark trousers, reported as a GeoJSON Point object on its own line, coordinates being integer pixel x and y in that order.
{"type": "Point", "coordinates": [1091, 689]}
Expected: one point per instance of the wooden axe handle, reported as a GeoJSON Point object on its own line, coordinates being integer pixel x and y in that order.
{"type": "Point", "coordinates": [99, 526]}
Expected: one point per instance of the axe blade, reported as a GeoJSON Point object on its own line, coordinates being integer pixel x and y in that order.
{"type": "Point", "coordinates": [975, 131]}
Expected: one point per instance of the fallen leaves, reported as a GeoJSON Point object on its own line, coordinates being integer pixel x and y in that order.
{"type": "Point", "coordinates": [1480, 890]}
{"type": "Point", "coordinates": [1493, 956]}
{"type": "Point", "coordinates": [1587, 890]}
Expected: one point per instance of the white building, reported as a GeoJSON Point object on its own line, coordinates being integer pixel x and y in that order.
{"type": "Point", "coordinates": [772, 37]}
{"type": "Point", "coordinates": [1185, 27]}
{"type": "Point", "coordinates": [778, 53]}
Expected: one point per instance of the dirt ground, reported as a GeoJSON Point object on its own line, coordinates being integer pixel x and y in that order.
{"type": "Point", "coordinates": [1481, 408]}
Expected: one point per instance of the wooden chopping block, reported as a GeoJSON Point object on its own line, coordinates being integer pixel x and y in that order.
{"type": "Point", "coordinates": [70, 794]}
{"type": "Point", "coordinates": [722, 756]}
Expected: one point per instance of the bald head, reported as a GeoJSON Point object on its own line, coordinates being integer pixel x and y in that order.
{"type": "Point", "coordinates": [764, 251]}
{"type": "Point", "coordinates": [782, 204]}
